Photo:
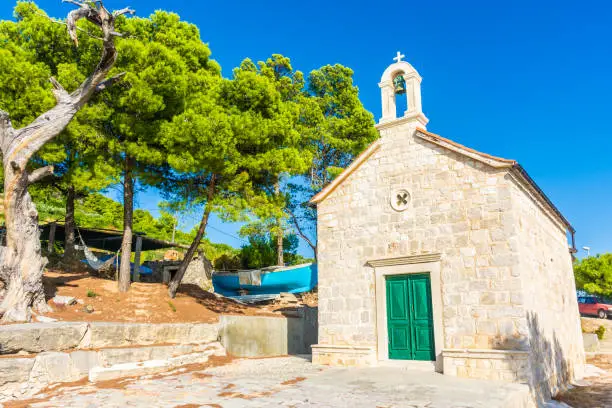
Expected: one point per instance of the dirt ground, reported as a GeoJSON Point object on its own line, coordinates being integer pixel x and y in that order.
{"type": "Point", "coordinates": [598, 392]}
{"type": "Point", "coordinates": [144, 302]}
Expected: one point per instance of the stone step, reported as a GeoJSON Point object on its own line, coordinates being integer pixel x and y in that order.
{"type": "Point", "coordinates": [62, 336]}
{"type": "Point", "coordinates": [128, 370]}
{"type": "Point", "coordinates": [23, 377]}
{"type": "Point", "coordinates": [150, 366]}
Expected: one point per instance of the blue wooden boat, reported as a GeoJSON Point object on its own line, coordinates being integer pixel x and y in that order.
{"type": "Point", "coordinates": [266, 281]}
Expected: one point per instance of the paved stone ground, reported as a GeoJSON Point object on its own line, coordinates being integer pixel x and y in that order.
{"type": "Point", "coordinates": [592, 392]}
{"type": "Point", "coordinates": [292, 382]}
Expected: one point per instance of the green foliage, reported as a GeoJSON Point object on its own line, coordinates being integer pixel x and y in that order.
{"type": "Point", "coordinates": [600, 332]}
{"type": "Point", "coordinates": [262, 251]}
{"type": "Point", "coordinates": [252, 148]}
{"type": "Point", "coordinates": [91, 293]}
{"type": "Point", "coordinates": [172, 307]}
{"type": "Point", "coordinates": [594, 274]}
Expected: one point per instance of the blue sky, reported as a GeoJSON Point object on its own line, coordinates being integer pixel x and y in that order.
{"type": "Point", "coordinates": [523, 80]}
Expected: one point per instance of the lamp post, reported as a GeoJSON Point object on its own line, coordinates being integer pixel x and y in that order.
{"type": "Point", "coordinates": [588, 250]}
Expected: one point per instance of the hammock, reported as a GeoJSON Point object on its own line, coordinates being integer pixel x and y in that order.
{"type": "Point", "coordinates": [92, 259]}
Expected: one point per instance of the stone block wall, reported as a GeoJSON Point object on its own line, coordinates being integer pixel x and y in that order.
{"type": "Point", "coordinates": [512, 366]}
{"type": "Point", "coordinates": [549, 296]}
{"type": "Point", "coordinates": [507, 289]}
{"type": "Point", "coordinates": [459, 207]}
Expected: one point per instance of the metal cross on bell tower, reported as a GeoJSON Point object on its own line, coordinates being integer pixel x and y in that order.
{"type": "Point", "coordinates": [399, 57]}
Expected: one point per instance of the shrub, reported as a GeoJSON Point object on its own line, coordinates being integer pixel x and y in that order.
{"type": "Point", "coordinates": [600, 332]}
{"type": "Point", "coordinates": [91, 293]}
{"type": "Point", "coordinates": [173, 308]}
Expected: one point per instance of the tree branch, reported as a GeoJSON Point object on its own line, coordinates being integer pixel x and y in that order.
{"type": "Point", "coordinates": [7, 132]}
{"type": "Point", "coordinates": [109, 82]}
{"type": "Point", "coordinates": [5, 122]}
{"type": "Point", "coordinates": [299, 230]}
{"type": "Point", "coordinates": [39, 174]}
{"type": "Point", "coordinates": [58, 91]}
{"type": "Point", "coordinates": [123, 11]}
{"type": "Point", "coordinates": [31, 138]}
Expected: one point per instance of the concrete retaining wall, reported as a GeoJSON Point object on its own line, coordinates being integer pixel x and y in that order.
{"type": "Point", "coordinates": [258, 336]}
{"type": "Point", "coordinates": [61, 336]}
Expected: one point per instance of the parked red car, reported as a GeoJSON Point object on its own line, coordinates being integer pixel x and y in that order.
{"type": "Point", "coordinates": [592, 305]}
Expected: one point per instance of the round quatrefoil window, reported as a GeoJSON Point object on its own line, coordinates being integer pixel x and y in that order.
{"type": "Point", "coordinates": [400, 200]}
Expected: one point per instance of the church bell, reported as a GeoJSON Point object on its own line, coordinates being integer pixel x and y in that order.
{"type": "Point", "coordinates": [399, 85]}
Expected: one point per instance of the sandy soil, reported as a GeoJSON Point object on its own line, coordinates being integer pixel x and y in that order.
{"type": "Point", "coordinates": [598, 394]}
{"type": "Point", "coordinates": [145, 302]}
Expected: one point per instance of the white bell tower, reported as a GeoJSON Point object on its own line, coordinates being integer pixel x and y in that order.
{"type": "Point", "coordinates": [401, 80]}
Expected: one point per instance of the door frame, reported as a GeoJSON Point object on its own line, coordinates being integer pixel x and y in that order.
{"type": "Point", "coordinates": [405, 266]}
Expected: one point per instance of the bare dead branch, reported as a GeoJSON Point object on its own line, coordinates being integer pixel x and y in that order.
{"type": "Point", "coordinates": [75, 15]}
{"type": "Point", "coordinates": [78, 3]}
{"type": "Point", "coordinates": [44, 128]}
{"type": "Point", "coordinates": [58, 91]}
{"type": "Point", "coordinates": [123, 11]}
{"type": "Point", "coordinates": [109, 82]}
{"type": "Point", "coordinates": [5, 121]}
{"type": "Point", "coordinates": [40, 174]}
{"type": "Point", "coordinates": [7, 132]}
{"type": "Point", "coordinates": [56, 21]}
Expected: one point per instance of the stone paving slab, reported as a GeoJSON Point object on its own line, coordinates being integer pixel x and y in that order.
{"type": "Point", "coordinates": [295, 382]}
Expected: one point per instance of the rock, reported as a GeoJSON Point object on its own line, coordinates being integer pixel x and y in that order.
{"type": "Point", "coordinates": [84, 360]}
{"type": "Point", "coordinates": [108, 334]}
{"type": "Point", "coordinates": [15, 370]}
{"type": "Point", "coordinates": [37, 337]}
{"type": "Point", "coordinates": [88, 309]}
{"type": "Point", "coordinates": [53, 367]}
{"type": "Point", "coordinates": [80, 301]}
{"type": "Point", "coordinates": [45, 319]}
{"type": "Point", "coordinates": [64, 300]}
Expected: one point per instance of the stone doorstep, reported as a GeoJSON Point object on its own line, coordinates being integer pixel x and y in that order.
{"type": "Point", "coordinates": [329, 348]}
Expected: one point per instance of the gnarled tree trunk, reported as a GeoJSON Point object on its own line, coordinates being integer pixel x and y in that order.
{"type": "Point", "coordinates": [128, 215]}
{"type": "Point", "coordinates": [21, 261]}
{"type": "Point", "coordinates": [69, 226]}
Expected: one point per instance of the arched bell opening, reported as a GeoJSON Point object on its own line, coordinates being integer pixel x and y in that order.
{"type": "Point", "coordinates": [400, 95]}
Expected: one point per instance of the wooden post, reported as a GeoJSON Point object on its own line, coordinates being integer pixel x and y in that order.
{"type": "Point", "coordinates": [51, 242]}
{"type": "Point", "coordinates": [137, 259]}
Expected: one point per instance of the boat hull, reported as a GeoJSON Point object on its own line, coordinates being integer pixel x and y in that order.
{"type": "Point", "coordinates": [296, 279]}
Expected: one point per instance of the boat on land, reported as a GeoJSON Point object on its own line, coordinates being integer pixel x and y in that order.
{"type": "Point", "coordinates": [266, 282]}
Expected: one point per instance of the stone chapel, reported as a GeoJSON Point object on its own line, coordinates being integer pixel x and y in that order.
{"type": "Point", "coordinates": [437, 256]}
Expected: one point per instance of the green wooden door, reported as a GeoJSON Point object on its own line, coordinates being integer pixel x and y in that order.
{"type": "Point", "coordinates": [409, 317]}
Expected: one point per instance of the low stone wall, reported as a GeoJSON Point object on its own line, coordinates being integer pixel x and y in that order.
{"type": "Point", "coordinates": [61, 336]}
{"type": "Point", "coordinates": [24, 377]}
{"type": "Point", "coordinates": [591, 342]}
{"type": "Point", "coordinates": [505, 365]}
{"type": "Point", "coordinates": [260, 336]}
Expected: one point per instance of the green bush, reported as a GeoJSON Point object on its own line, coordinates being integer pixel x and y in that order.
{"type": "Point", "coordinates": [91, 293]}
{"type": "Point", "coordinates": [172, 307]}
{"type": "Point", "coordinates": [600, 332]}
